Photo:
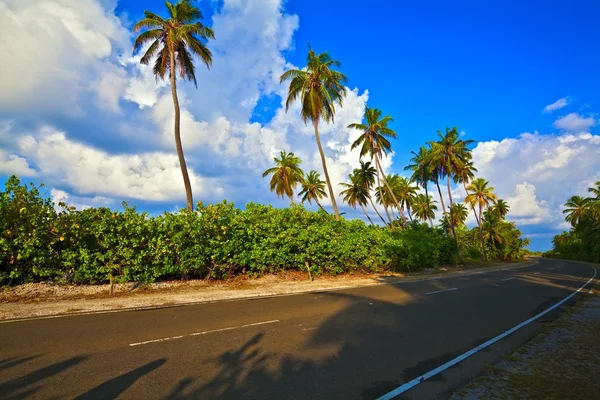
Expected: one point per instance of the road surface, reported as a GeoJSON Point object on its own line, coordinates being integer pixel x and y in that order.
{"type": "Point", "coordinates": [349, 344]}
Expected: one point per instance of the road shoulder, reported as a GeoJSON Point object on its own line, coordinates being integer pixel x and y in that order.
{"type": "Point", "coordinates": [561, 362]}
{"type": "Point", "coordinates": [84, 299]}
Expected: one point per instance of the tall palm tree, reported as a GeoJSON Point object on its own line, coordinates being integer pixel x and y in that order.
{"type": "Point", "coordinates": [464, 174]}
{"type": "Point", "coordinates": [459, 214]}
{"type": "Point", "coordinates": [319, 87]}
{"type": "Point", "coordinates": [421, 174]}
{"type": "Point", "coordinates": [449, 154]}
{"type": "Point", "coordinates": [575, 208]}
{"type": "Point", "coordinates": [366, 174]}
{"type": "Point", "coordinates": [374, 143]}
{"type": "Point", "coordinates": [500, 208]}
{"type": "Point", "coordinates": [480, 194]}
{"type": "Point", "coordinates": [595, 190]}
{"type": "Point", "coordinates": [424, 208]}
{"type": "Point", "coordinates": [492, 230]}
{"type": "Point", "coordinates": [286, 175]}
{"type": "Point", "coordinates": [313, 188]}
{"type": "Point", "coordinates": [174, 41]}
{"type": "Point", "coordinates": [405, 192]}
{"type": "Point", "coordinates": [356, 194]}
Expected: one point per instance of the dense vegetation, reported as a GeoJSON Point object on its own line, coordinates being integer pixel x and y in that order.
{"type": "Point", "coordinates": [582, 241]}
{"type": "Point", "coordinates": [98, 245]}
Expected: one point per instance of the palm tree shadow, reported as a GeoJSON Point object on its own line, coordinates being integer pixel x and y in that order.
{"type": "Point", "coordinates": [32, 382]}
{"type": "Point", "coordinates": [114, 387]}
{"type": "Point", "coordinates": [338, 350]}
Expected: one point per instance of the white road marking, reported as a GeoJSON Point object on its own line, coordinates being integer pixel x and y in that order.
{"type": "Point", "coordinates": [537, 273]}
{"type": "Point", "coordinates": [310, 329]}
{"type": "Point", "coordinates": [440, 291]}
{"type": "Point", "coordinates": [409, 385]}
{"type": "Point", "coordinates": [204, 332]}
{"type": "Point", "coordinates": [508, 279]}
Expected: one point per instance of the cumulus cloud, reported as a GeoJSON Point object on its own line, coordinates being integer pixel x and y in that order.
{"type": "Point", "coordinates": [557, 105]}
{"type": "Point", "coordinates": [536, 173]}
{"type": "Point", "coordinates": [58, 51]}
{"type": "Point", "coordinates": [574, 123]}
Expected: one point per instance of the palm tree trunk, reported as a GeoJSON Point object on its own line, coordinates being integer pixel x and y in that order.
{"type": "Point", "coordinates": [376, 210]}
{"type": "Point", "coordinates": [383, 200]}
{"type": "Point", "coordinates": [189, 200]}
{"type": "Point", "coordinates": [366, 213]}
{"type": "Point", "coordinates": [319, 204]}
{"type": "Point", "coordinates": [472, 208]}
{"type": "Point", "coordinates": [408, 211]}
{"type": "Point", "coordinates": [331, 196]}
{"type": "Point", "coordinates": [442, 200]}
{"type": "Point", "coordinates": [387, 185]}
{"type": "Point", "coordinates": [431, 222]}
{"type": "Point", "coordinates": [460, 260]}
{"type": "Point", "coordinates": [481, 237]}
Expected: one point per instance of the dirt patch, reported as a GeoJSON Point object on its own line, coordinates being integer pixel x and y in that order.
{"type": "Point", "coordinates": [42, 299]}
{"type": "Point", "coordinates": [562, 362]}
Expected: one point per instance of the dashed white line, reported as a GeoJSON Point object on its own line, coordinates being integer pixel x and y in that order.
{"type": "Point", "coordinates": [440, 291]}
{"type": "Point", "coordinates": [409, 385]}
{"type": "Point", "coordinates": [508, 279]}
{"type": "Point", "coordinates": [537, 273]}
{"type": "Point", "coordinates": [204, 332]}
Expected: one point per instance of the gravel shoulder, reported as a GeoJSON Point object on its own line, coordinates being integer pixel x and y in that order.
{"type": "Point", "coordinates": [46, 299]}
{"type": "Point", "coordinates": [561, 362]}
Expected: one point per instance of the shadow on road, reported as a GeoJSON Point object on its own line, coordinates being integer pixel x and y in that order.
{"type": "Point", "coordinates": [111, 389]}
{"type": "Point", "coordinates": [26, 386]}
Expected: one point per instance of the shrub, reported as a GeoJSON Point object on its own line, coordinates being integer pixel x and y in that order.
{"type": "Point", "coordinates": [98, 245]}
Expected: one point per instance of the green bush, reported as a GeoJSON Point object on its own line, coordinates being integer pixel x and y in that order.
{"type": "Point", "coordinates": [98, 245]}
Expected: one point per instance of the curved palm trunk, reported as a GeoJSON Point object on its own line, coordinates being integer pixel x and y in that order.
{"type": "Point", "coordinates": [387, 212]}
{"type": "Point", "coordinates": [376, 210]}
{"type": "Point", "coordinates": [460, 260]}
{"type": "Point", "coordinates": [427, 197]}
{"type": "Point", "coordinates": [408, 211]}
{"type": "Point", "coordinates": [331, 196]}
{"type": "Point", "coordinates": [366, 213]}
{"type": "Point", "coordinates": [483, 256]}
{"type": "Point", "coordinates": [186, 178]}
{"type": "Point", "coordinates": [444, 213]}
{"type": "Point", "coordinates": [472, 208]}
{"type": "Point", "coordinates": [387, 185]}
{"type": "Point", "coordinates": [319, 204]}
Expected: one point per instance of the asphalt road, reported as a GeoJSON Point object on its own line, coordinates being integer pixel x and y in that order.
{"type": "Point", "coordinates": [346, 344]}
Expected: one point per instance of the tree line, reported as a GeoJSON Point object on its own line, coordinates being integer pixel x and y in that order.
{"type": "Point", "coordinates": [582, 241]}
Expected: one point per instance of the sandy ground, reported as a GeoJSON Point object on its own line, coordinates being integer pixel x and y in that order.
{"type": "Point", "coordinates": [45, 299]}
{"type": "Point", "coordinates": [562, 362]}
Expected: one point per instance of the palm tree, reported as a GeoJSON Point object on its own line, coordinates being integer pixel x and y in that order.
{"type": "Point", "coordinates": [500, 208]}
{"type": "Point", "coordinates": [464, 174]}
{"type": "Point", "coordinates": [313, 188]}
{"type": "Point", "coordinates": [424, 208]}
{"type": "Point", "coordinates": [459, 214]}
{"type": "Point", "coordinates": [492, 230]}
{"type": "Point", "coordinates": [449, 154]}
{"type": "Point", "coordinates": [405, 192]}
{"type": "Point", "coordinates": [575, 208]}
{"type": "Point", "coordinates": [319, 87]}
{"type": "Point", "coordinates": [366, 174]}
{"type": "Point", "coordinates": [374, 142]}
{"type": "Point", "coordinates": [480, 194]}
{"type": "Point", "coordinates": [356, 193]}
{"type": "Point", "coordinates": [286, 175]}
{"type": "Point", "coordinates": [174, 41]}
{"type": "Point", "coordinates": [421, 174]}
{"type": "Point", "coordinates": [595, 191]}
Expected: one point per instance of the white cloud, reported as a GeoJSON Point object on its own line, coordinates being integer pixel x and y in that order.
{"type": "Point", "coordinates": [13, 164]}
{"type": "Point", "coordinates": [574, 123]}
{"type": "Point", "coordinates": [536, 173]}
{"type": "Point", "coordinates": [146, 176]}
{"type": "Point", "coordinates": [557, 105]}
{"type": "Point", "coordinates": [55, 51]}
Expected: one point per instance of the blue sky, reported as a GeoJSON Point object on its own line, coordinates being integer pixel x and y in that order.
{"type": "Point", "coordinates": [95, 127]}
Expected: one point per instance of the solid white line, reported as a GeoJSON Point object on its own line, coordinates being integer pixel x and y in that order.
{"type": "Point", "coordinates": [508, 279]}
{"type": "Point", "coordinates": [409, 385]}
{"type": "Point", "coordinates": [440, 291]}
{"type": "Point", "coordinates": [203, 333]}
